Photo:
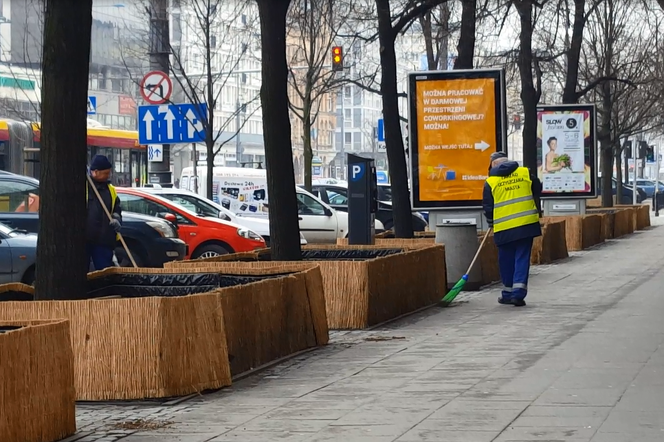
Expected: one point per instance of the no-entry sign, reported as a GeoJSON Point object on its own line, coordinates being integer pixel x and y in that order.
{"type": "Point", "coordinates": [457, 120]}
{"type": "Point", "coordinates": [156, 87]}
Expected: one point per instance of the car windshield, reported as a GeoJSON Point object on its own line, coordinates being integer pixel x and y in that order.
{"type": "Point", "coordinates": [6, 230]}
{"type": "Point", "coordinates": [384, 193]}
{"type": "Point", "coordinates": [193, 204]}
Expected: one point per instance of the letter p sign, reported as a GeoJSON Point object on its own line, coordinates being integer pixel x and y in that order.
{"type": "Point", "coordinates": [356, 172]}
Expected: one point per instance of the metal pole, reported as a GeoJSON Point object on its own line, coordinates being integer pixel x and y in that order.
{"type": "Point", "coordinates": [635, 147]}
{"type": "Point", "coordinates": [343, 132]}
{"type": "Point", "coordinates": [159, 61]}
{"type": "Point", "coordinates": [194, 153]}
{"type": "Point", "coordinates": [238, 144]}
{"type": "Point", "coordinates": [657, 165]}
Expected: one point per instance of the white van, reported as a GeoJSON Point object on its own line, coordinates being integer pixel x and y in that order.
{"type": "Point", "coordinates": [243, 191]}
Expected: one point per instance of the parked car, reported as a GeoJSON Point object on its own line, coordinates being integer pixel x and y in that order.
{"type": "Point", "coordinates": [152, 241]}
{"type": "Point", "coordinates": [204, 207]}
{"type": "Point", "coordinates": [205, 236]}
{"type": "Point", "coordinates": [626, 196]}
{"type": "Point", "coordinates": [337, 197]}
{"type": "Point", "coordinates": [319, 222]}
{"type": "Point", "coordinates": [18, 254]}
{"type": "Point", "coordinates": [648, 186]}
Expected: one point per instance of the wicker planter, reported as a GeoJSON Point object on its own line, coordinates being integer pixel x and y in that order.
{"type": "Point", "coordinates": [552, 245]}
{"type": "Point", "coordinates": [273, 318]}
{"type": "Point", "coordinates": [624, 222]}
{"type": "Point", "coordinates": [641, 215]}
{"type": "Point", "coordinates": [37, 398]}
{"type": "Point", "coordinates": [135, 348]}
{"type": "Point", "coordinates": [367, 285]}
{"type": "Point", "coordinates": [581, 231]}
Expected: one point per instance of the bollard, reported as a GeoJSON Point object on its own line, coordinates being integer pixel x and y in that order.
{"type": "Point", "coordinates": [461, 243]}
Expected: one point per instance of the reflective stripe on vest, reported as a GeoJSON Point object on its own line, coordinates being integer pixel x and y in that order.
{"type": "Point", "coordinates": [114, 196]}
{"type": "Point", "coordinates": [514, 205]}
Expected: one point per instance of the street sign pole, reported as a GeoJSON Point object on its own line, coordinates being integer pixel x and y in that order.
{"type": "Point", "coordinates": [160, 50]}
{"type": "Point", "coordinates": [635, 148]}
{"type": "Point", "coordinates": [657, 165]}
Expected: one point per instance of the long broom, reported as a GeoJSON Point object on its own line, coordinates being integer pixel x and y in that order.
{"type": "Point", "coordinates": [110, 218]}
{"type": "Point", "coordinates": [458, 287]}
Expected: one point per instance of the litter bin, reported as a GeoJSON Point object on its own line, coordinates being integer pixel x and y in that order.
{"type": "Point", "coordinates": [461, 243]}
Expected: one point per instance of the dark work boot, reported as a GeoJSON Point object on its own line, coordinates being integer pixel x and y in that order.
{"type": "Point", "coordinates": [519, 303]}
{"type": "Point", "coordinates": [505, 301]}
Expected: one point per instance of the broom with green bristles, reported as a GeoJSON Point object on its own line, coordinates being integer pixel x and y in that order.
{"type": "Point", "coordinates": [462, 282]}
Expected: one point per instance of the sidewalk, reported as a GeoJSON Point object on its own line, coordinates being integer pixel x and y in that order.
{"type": "Point", "coordinates": [582, 362]}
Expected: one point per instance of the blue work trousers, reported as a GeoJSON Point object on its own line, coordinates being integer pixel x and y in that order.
{"type": "Point", "coordinates": [101, 257]}
{"type": "Point", "coordinates": [514, 264]}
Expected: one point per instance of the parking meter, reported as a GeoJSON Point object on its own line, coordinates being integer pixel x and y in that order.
{"type": "Point", "coordinates": [362, 199]}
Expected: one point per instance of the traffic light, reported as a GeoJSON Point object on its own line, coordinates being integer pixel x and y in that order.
{"type": "Point", "coordinates": [516, 122]}
{"type": "Point", "coordinates": [337, 58]}
{"type": "Point", "coordinates": [650, 154]}
{"type": "Point", "coordinates": [627, 148]}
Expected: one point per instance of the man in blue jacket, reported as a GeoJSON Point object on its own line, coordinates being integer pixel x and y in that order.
{"type": "Point", "coordinates": [101, 234]}
{"type": "Point", "coordinates": [511, 206]}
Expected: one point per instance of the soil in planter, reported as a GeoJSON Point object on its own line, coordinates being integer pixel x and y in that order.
{"type": "Point", "coordinates": [136, 285]}
{"type": "Point", "coordinates": [15, 295]}
{"type": "Point", "coordinates": [132, 285]}
{"type": "Point", "coordinates": [8, 328]}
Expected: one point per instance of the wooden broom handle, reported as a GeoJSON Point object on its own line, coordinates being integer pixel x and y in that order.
{"type": "Point", "coordinates": [479, 249]}
{"type": "Point", "coordinates": [110, 218]}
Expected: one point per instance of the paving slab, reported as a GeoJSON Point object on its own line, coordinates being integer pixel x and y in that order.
{"type": "Point", "coordinates": [582, 362]}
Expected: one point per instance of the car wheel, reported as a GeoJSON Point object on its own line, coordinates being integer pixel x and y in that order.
{"type": "Point", "coordinates": [29, 276]}
{"type": "Point", "coordinates": [210, 251]}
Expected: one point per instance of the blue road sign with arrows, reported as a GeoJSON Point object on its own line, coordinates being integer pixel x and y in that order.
{"type": "Point", "coordinates": [381, 130]}
{"type": "Point", "coordinates": [171, 123]}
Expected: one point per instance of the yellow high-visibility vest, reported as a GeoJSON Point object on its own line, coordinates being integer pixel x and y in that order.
{"type": "Point", "coordinates": [513, 202]}
{"type": "Point", "coordinates": [114, 196]}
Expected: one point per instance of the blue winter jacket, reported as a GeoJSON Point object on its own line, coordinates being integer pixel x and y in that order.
{"type": "Point", "coordinates": [528, 231]}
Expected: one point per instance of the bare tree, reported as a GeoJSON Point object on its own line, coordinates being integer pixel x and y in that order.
{"type": "Point", "coordinates": [313, 30]}
{"type": "Point", "coordinates": [284, 227]}
{"type": "Point", "coordinates": [629, 103]}
{"type": "Point", "coordinates": [62, 264]}
{"type": "Point", "coordinates": [390, 25]}
{"type": "Point", "coordinates": [215, 42]}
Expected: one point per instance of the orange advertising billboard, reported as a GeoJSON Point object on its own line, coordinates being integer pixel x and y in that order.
{"type": "Point", "coordinates": [456, 123]}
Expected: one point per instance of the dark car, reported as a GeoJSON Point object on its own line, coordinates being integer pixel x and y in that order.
{"type": "Point", "coordinates": [152, 241]}
{"type": "Point", "coordinates": [337, 197]}
{"type": "Point", "coordinates": [627, 195]}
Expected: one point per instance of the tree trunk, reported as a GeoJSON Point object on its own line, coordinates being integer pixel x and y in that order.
{"type": "Point", "coordinates": [396, 156]}
{"type": "Point", "coordinates": [529, 94]}
{"type": "Point", "coordinates": [62, 263]}
{"type": "Point", "coordinates": [444, 50]}
{"type": "Point", "coordinates": [306, 141]}
{"type": "Point", "coordinates": [466, 46]}
{"type": "Point", "coordinates": [427, 31]}
{"type": "Point", "coordinates": [284, 227]}
{"type": "Point", "coordinates": [570, 95]}
{"type": "Point", "coordinates": [606, 159]}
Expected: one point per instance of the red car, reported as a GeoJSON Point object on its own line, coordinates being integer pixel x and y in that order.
{"type": "Point", "coordinates": [205, 236]}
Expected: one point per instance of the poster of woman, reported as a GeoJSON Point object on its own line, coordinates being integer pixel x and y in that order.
{"type": "Point", "coordinates": [564, 145]}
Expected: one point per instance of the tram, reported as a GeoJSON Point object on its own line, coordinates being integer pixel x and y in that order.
{"type": "Point", "coordinates": [20, 145]}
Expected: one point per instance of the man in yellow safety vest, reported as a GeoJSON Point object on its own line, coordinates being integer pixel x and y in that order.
{"type": "Point", "coordinates": [511, 206]}
{"type": "Point", "coordinates": [101, 234]}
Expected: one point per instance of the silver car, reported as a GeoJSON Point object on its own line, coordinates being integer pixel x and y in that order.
{"type": "Point", "coordinates": [18, 254]}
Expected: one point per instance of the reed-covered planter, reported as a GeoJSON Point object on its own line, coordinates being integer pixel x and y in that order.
{"type": "Point", "coordinates": [608, 221]}
{"type": "Point", "coordinates": [581, 231]}
{"type": "Point", "coordinates": [37, 397]}
{"type": "Point", "coordinates": [273, 318]}
{"type": "Point", "coordinates": [624, 222]}
{"type": "Point", "coordinates": [552, 245]}
{"type": "Point", "coordinates": [489, 259]}
{"type": "Point", "coordinates": [144, 347]}
{"type": "Point", "coordinates": [367, 285]}
{"type": "Point", "coordinates": [641, 215]}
